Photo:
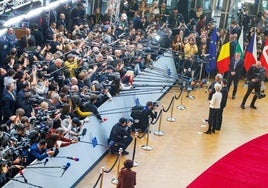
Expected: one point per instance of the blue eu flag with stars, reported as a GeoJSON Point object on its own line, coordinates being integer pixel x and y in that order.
{"type": "Point", "coordinates": [212, 59]}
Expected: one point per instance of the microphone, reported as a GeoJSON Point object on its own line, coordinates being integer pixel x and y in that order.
{"type": "Point", "coordinates": [73, 158]}
{"type": "Point", "coordinates": [45, 161]}
{"type": "Point", "coordinates": [21, 173]}
{"type": "Point", "coordinates": [111, 143]}
{"type": "Point", "coordinates": [84, 132]}
{"type": "Point", "coordinates": [65, 168]}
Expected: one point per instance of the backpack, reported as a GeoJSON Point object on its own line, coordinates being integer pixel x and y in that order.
{"type": "Point", "coordinates": [137, 113]}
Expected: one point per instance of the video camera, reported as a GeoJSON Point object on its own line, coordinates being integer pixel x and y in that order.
{"type": "Point", "coordinates": [12, 152]}
{"type": "Point", "coordinates": [34, 100]}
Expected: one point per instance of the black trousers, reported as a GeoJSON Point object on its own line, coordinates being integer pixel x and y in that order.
{"type": "Point", "coordinates": [235, 80]}
{"type": "Point", "coordinates": [213, 119]}
{"type": "Point", "coordinates": [124, 143]}
{"type": "Point", "coordinates": [219, 119]}
{"type": "Point", "coordinates": [257, 90]}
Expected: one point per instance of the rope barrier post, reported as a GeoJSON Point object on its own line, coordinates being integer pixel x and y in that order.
{"type": "Point", "coordinates": [134, 150]}
{"type": "Point", "coordinates": [181, 107]}
{"type": "Point", "coordinates": [159, 132]}
{"type": "Point", "coordinates": [102, 174]}
{"type": "Point", "coordinates": [115, 180]}
{"type": "Point", "coordinates": [171, 118]}
{"type": "Point", "coordinates": [147, 147]}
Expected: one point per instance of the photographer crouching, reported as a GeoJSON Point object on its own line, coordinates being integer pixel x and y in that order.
{"type": "Point", "coordinates": [142, 115]}
{"type": "Point", "coordinates": [121, 136]}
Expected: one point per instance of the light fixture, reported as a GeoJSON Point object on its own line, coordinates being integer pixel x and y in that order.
{"type": "Point", "coordinates": [3, 31]}
{"type": "Point", "coordinates": [13, 21]}
{"type": "Point", "coordinates": [52, 5]}
{"type": "Point", "coordinates": [63, 1]}
{"type": "Point", "coordinates": [34, 12]}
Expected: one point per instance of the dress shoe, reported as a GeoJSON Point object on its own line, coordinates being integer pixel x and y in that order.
{"type": "Point", "coordinates": [233, 97]}
{"type": "Point", "coordinates": [213, 131]}
{"type": "Point", "coordinates": [205, 120]}
{"type": "Point", "coordinates": [125, 152]}
{"type": "Point", "coordinates": [242, 106]}
{"type": "Point", "coordinates": [253, 106]}
{"type": "Point", "coordinates": [207, 132]}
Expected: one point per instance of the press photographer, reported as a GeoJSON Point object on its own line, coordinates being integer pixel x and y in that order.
{"type": "Point", "coordinates": [25, 99]}
{"type": "Point", "coordinates": [121, 136]}
{"type": "Point", "coordinates": [255, 77]}
{"type": "Point", "coordinates": [56, 70]}
{"type": "Point", "coordinates": [142, 114]}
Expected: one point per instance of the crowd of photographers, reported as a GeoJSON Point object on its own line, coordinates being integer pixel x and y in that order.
{"type": "Point", "coordinates": [69, 63]}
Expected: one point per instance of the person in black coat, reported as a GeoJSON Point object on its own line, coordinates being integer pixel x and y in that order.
{"type": "Point", "coordinates": [224, 92]}
{"type": "Point", "coordinates": [233, 43]}
{"type": "Point", "coordinates": [121, 136]}
{"type": "Point", "coordinates": [175, 19]}
{"type": "Point", "coordinates": [148, 113]}
{"type": "Point", "coordinates": [91, 107]}
{"type": "Point", "coordinates": [255, 76]}
{"type": "Point", "coordinates": [8, 102]}
{"type": "Point", "coordinates": [235, 70]}
{"type": "Point", "coordinates": [23, 101]}
{"type": "Point", "coordinates": [55, 70]}
{"type": "Point", "coordinates": [39, 38]}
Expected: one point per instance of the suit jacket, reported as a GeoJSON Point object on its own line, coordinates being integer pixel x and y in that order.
{"type": "Point", "coordinates": [49, 34]}
{"type": "Point", "coordinates": [39, 39]}
{"type": "Point", "coordinates": [8, 104]}
{"type": "Point", "coordinates": [126, 178]}
{"type": "Point", "coordinates": [237, 69]}
{"type": "Point", "coordinates": [224, 92]}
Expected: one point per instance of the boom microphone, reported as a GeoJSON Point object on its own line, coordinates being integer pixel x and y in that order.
{"type": "Point", "coordinates": [65, 168]}
{"type": "Point", "coordinates": [45, 161]}
{"type": "Point", "coordinates": [84, 132]}
{"type": "Point", "coordinates": [22, 175]}
{"type": "Point", "coordinates": [111, 143]}
{"type": "Point", "coordinates": [73, 158]}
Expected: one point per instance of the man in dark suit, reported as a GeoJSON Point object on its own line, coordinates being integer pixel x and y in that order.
{"type": "Point", "coordinates": [224, 92]}
{"type": "Point", "coordinates": [235, 70]}
{"type": "Point", "coordinates": [39, 38]}
{"type": "Point", "coordinates": [8, 102]}
{"type": "Point", "coordinates": [51, 31]}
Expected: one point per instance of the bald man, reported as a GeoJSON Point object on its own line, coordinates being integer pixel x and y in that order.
{"type": "Point", "coordinates": [255, 76]}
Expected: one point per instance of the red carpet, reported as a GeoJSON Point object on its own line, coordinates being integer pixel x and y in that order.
{"type": "Point", "coordinates": [245, 167]}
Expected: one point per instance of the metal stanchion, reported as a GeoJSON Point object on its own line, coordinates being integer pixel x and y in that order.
{"type": "Point", "coordinates": [147, 147]}
{"type": "Point", "coordinates": [181, 107]}
{"type": "Point", "coordinates": [134, 150]}
{"type": "Point", "coordinates": [102, 174]}
{"type": "Point", "coordinates": [159, 132]}
{"type": "Point", "coordinates": [115, 180]}
{"type": "Point", "coordinates": [171, 118]}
